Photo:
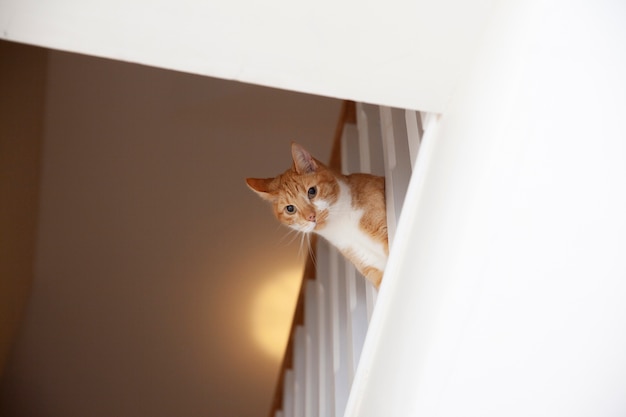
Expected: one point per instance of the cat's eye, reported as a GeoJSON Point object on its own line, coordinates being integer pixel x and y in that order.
{"type": "Point", "coordinates": [312, 192]}
{"type": "Point", "coordinates": [290, 209]}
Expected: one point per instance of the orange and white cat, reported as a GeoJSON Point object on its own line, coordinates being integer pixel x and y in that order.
{"type": "Point", "coordinates": [347, 210]}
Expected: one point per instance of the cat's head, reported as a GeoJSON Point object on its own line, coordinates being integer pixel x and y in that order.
{"type": "Point", "coordinates": [302, 195]}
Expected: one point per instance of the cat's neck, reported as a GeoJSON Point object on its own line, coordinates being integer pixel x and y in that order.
{"type": "Point", "coordinates": [343, 218]}
{"type": "Point", "coordinates": [343, 230]}
{"type": "Point", "coordinates": [342, 209]}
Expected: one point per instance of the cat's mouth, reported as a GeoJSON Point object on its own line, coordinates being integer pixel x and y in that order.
{"type": "Point", "coordinates": [309, 227]}
{"type": "Point", "coordinates": [305, 228]}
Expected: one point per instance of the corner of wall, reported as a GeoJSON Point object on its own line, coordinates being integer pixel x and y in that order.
{"type": "Point", "coordinates": [22, 82]}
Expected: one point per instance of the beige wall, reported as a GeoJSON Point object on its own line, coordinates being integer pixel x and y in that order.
{"type": "Point", "coordinates": [151, 251]}
{"type": "Point", "coordinates": [22, 92]}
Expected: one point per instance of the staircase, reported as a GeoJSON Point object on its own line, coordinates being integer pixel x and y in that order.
{"type": "Point", "coordinates": [337, 303]}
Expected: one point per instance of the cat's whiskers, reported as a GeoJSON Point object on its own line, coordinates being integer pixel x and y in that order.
{"type": "Point", "coordinates": [305, 240]}
{"type": "Point", "coordinates": [311, 251]}
{"type": "Point", "coordinates": [291, 234]}
{"type": "Point", "coordinates": [303, 236]}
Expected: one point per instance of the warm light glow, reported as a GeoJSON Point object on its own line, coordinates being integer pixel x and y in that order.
{"type": "Point", "coordinates": [272, 312]}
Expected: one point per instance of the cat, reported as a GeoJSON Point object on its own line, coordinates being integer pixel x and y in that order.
{"type": "Point", "coordinates": [346, 210]}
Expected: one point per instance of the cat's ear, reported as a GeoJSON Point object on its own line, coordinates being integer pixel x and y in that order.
{"type": "Point", "coordinates": [261, 186]}
{"type": "Point", "coordinates": [303, 162]}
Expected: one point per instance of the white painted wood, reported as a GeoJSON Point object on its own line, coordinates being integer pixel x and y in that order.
{"type": "Point", "coordinates": [350, 278]}
{"type": "Point", "coordinates": [363, 126]}
{"type": "Point", "coordinates": [397, 163]}
{"type": "Point", "coordinates": [357, 315]}
{"type": "Point", "coordinates": [504, 292]}
{"type": "Point", "coordinates": [414, 133]}
{"type": "Point", "coordinates": [312, 354]}
{"type": "Point", "coordinates": [326, 402]}
{"type": "Point", "coordinates": [288, 394]}
{"type": "Point", "coordinates": [339, 313]}
{"type": "Point", "coordinates": [427, 119]}
{"type": "Point", "coordinates": [421, 47]}
{"type": "Point", "coordinates": [371, 294]}
{"type": "Point", "coordinates": [350, 156]}
{"type": "Point", "coordinates": [371, 161]}
{"type": "Point", "coordinates": [370, 142]}
{"type": "Point", "coordinates": [299, 367]}
{"type": "Point", "coordinates": [387, 134]}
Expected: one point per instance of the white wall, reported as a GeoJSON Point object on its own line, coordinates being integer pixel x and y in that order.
{"type": "Point", "coordinates": [403, 53]}
{"type": "Point", "coordinates": [507, 297]}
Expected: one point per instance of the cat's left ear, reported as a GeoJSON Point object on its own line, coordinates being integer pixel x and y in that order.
{"type": "Point", "coordinates": [261, 186]}
{"type": "Point", "coordinates": [303, 162]}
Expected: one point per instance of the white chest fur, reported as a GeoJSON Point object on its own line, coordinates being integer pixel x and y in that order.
{"type": "Point", "coordinates": [342, 230]}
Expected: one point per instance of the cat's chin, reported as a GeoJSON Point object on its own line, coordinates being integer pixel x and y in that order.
{"type": "Point", "coordinates": [307, 228]}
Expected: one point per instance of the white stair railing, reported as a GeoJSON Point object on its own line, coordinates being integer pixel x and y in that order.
{"type": "Point", "coordinates": [339, 302]}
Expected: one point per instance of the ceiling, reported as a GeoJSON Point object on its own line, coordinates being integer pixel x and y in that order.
{"type": "Point", "coordinates": [163, 286]}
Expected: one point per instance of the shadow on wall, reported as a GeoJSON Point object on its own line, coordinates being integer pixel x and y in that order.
{"type": "Point", "coordinates": [22, 83]}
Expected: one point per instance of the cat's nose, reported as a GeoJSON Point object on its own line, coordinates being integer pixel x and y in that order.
{"type": "Point", "coordinates": [311, 217]}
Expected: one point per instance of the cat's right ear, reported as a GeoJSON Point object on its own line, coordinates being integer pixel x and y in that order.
{"type": "Point", "coordinates": [303, 162]}
{"type": "Point", "coordinates": [261, 186]}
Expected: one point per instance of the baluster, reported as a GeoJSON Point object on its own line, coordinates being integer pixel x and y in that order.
{"type": "Point", "coordinates": [370, 143]}
{"type": "Point", "coordinates": [397, 163]}
{"type": "Point", "coordinates": [350, 156]}
{"type": "Point", "coordinates": [326, 367]}
{"type": "Point", "coordinates": [288, 394]}
{"type": "Point", "coordinates": [312, 349]}
{"type": "Point", "coordinates": [357, 313]}
{"type": "Point", "coordinates": [299, 367]}
{"type": "Point", "coordinates": [414, 132]}
{"type": "Point", "coordinates": [368, 123]}
{"type": "Point", "coordinates": [340, 340]}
